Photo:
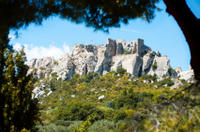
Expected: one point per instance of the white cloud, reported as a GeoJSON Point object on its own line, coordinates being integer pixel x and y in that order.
{"type": "Point", "coordinates": [40, 52]}
{"type": "Point", "coordinates": [66, 48]}
{"type": "Point", "coordinates": [11, 37]}
{"type": "Point", "coordinates": [17, 46]}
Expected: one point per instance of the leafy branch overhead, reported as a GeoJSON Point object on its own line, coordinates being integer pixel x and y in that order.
{"type": "Point", "coordinates": [99, 14]}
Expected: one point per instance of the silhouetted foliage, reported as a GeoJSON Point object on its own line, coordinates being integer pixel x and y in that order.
{"type": "Point", "coordinates": [98, 14]}
{"type": "Point", "coordinates": [18, 109]}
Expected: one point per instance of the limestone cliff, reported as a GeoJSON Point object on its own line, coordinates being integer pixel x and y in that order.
{"type": "Point", "coordinates": [134, 56]}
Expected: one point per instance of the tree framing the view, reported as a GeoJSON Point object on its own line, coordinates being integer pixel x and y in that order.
{"type": "Point", "coordinates": [19, 110]}
{"type": "Point", "coordinates": [99, 14]}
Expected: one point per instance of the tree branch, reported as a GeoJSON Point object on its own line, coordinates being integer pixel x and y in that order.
{"type": "Point", "coordinates": [190, 27]}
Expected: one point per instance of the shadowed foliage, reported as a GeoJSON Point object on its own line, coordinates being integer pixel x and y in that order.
{"type": "Point", "coordinates": [18, 109]}
{"type": "Point", "coordinates": [98, 14]}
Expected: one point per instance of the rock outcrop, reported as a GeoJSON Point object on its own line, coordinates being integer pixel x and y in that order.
{"type": "Point", "coordinates": [132, 63]}
{"type": "Point", "coordinates": [135, 57]}
{"type": "Point", "coordinates": [187, 75]}
{"type": "Point", "coordinates": [160, 66]}
{"type": "Point", "coordinates": [64, 67]}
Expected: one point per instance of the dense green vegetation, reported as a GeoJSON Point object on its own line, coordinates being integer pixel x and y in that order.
{"type": "Point", "coordinates": [118, 102]}
{"type": "Point", "coordinates": [18, 110]}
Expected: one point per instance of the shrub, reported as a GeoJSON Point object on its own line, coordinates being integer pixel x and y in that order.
{"type": "Point", "coordinates": [126, 52]}
{"type": "Point", "coordinates": [149, 77]}
{"type": "Point", "coordinates": [104, 126]}
{"type": "Point", "coordinates": [126, 101]}
{"type": "Point", "coordinates": [155, 65]}
{"type": "Point", "coordinates": [88, 77]}
{"type": "Point", "coordinates": [121, 70]}
{"type": "Point", "coordinates": [108, 114]}
{"type": "Point", "coordinates": [166, 81]}
{"type": "Point", "coordinates": [59, 126]}
{"type": "Point", "coordinates": [110, 104]}
{"type": "Point", "coordinates": [119, 115]}
{"type": "Point", "coordinates": [63, 123]}
{"type": "Point", "coordinates": [52, 128]}
{"type": "Point", "coordinates": [75, 111]}
{"type": "Point", "coordinates": [129, 112]}
{"type": "Point", "coordinates": [171, 71]}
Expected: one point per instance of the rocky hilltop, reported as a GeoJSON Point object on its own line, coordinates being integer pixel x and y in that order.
{"type": "Point", "coordinates": [137, 58]}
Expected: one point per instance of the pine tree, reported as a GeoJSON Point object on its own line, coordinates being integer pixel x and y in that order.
{"type": "Point", "coordinates": [18, 109]}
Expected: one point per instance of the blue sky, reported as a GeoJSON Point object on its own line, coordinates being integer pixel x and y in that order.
{"type": "Point", "coordinates": [56, 36]}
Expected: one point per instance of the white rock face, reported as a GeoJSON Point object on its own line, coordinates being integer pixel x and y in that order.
{"type": "Point", "coordinates": [64, 68]}
{"type": "Point", "coordinates": [132, 63]}
{"type": "Point", "coordinates": [41, 68]}
{"type": "Point", "coordinates": [84, 58]}
{"type": "Point", "coordinates": [135, 57]}
{"type": "Point", "coordinates": [101, 58]}
{"type": "Point", "coordinates": [45, 67]}
{"type": "Point", "coordinates": [162, 66]}
{"type": "Point", "coordinates": [147, 62]}
{"type": "Point", "coordinates": [187, 75]}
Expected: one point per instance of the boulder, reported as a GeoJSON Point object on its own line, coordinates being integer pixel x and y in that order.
{"type": "Point", "coordinates": [101, 97]}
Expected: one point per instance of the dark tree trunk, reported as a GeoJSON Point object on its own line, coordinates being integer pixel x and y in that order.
{"type": "Point", "coordinates": [190, 27]}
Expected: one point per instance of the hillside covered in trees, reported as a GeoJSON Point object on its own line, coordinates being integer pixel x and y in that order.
{"type": "Point", "coordinates": [118, 102]}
